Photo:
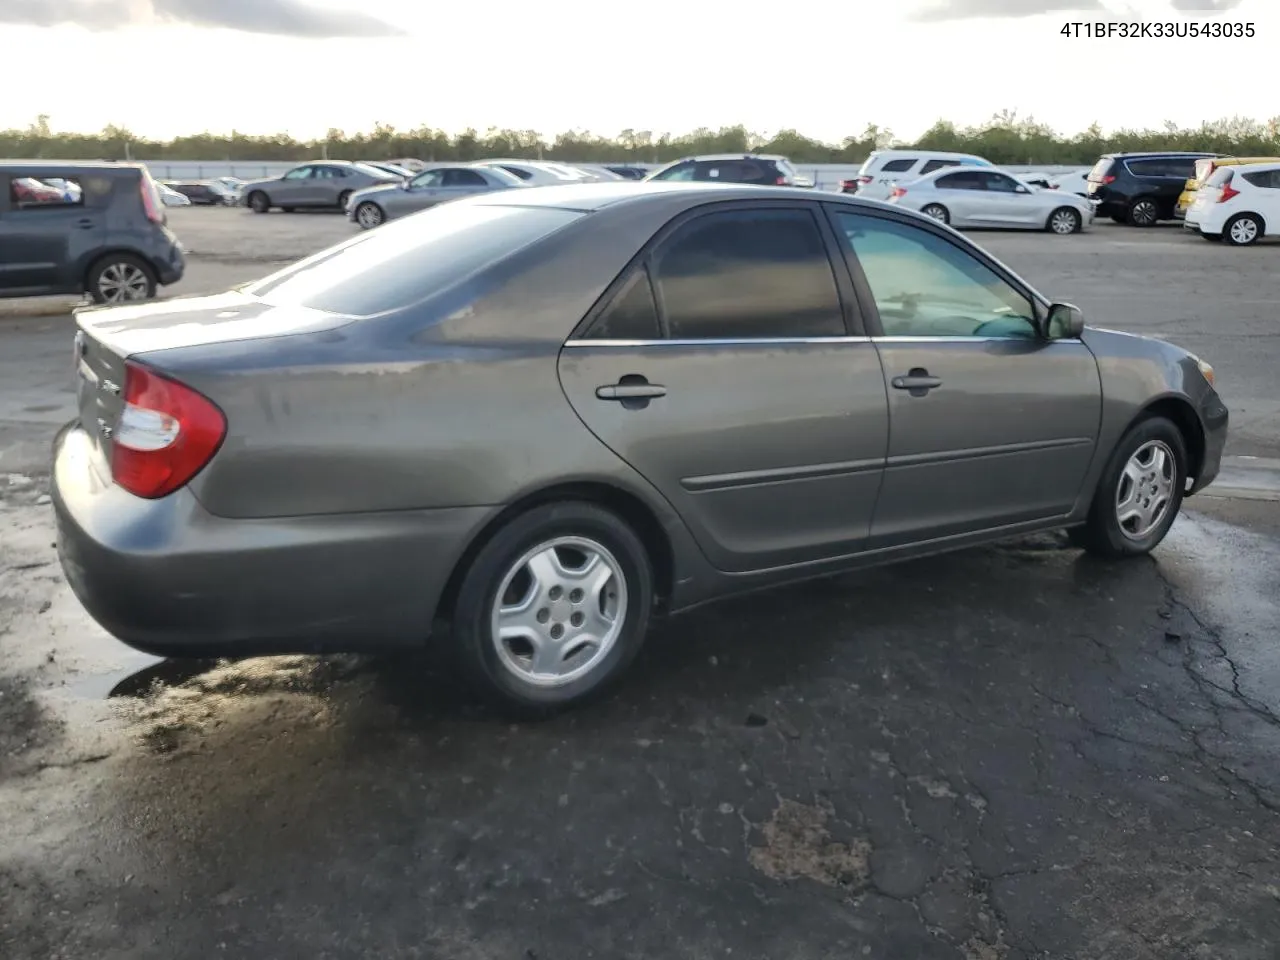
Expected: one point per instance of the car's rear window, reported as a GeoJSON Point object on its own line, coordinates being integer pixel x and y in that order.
{"type": "Point", "coordinates": [1100, 169]}
{"type": "Point", "coordinates": [406, 261]}
{"type": "Point", "coordinates": [1203, 169]}
{"type": "Point", "coordinates": [1220, 176]}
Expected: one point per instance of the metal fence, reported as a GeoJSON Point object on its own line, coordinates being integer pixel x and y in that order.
{"type": "Point", "coordinates": [825, 176]}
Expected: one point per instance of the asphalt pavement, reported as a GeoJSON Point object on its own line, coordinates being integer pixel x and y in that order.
{"type": "Point", "coordinates": [1007, 753]}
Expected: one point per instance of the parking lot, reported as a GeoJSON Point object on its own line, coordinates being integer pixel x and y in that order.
{"type": "Point", "coordinates": [1007, 753]}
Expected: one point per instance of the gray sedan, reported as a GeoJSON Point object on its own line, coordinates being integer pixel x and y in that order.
{"type": "Point", "coordinates": [970, 197]}
{"type": "Point", "coordinates": [373, 207]}
{"type": "Point", "coordinates": [544, 422]}
{"type": "Point", "coordinates": [329, 184]}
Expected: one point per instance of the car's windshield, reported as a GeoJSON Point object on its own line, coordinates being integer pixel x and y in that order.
{"type": "Point", "coordinates": [407, 261]}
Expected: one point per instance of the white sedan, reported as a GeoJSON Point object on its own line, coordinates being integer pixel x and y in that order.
{"type": "Point", "coordinates": [992, 198]}
{"type": "Point", "coordinates": [1240, 205]}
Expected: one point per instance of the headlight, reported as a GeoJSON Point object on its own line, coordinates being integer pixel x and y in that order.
{"type": "Point", "coordinates": [1205, 369]}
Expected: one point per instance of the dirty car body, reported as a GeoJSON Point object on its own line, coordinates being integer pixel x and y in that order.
{"type": "Point", "coordinates": [582, 379]}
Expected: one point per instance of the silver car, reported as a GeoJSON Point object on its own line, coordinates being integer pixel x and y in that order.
{"type": "Point", "coordinates": [376, 205]}
{"type": "Point", "coordinates": [987, 197]}
{"type": "Point", "coordinates": [327, 184]}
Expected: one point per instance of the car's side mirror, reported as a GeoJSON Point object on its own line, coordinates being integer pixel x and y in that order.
{"type": "Point", "coordinates": [1065, 322]}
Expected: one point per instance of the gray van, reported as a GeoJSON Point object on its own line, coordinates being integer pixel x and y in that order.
{"type": "Point", "coordinates": [74, 228]}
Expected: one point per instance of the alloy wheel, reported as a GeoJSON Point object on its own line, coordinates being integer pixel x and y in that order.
{"type": "Point", "coordinates": [1243, 230]}
{"type": "Point", "coordinates": [369, 215]}
{"type": "Point", "coordinates": [559, 611]}
{"type": "Point", "coordinates": [1146, 489]}
{"type": "Point", "coordinates": [123, 283]}
{"type": "Point", "coordinates": [1063, 222]}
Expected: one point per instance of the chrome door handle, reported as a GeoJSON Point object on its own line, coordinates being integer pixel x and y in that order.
{"type": "Point", "coordinates": [631, 391]}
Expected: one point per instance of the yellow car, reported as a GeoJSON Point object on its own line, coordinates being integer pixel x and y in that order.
{"type": "Point", "coordinates": [1204, 170]}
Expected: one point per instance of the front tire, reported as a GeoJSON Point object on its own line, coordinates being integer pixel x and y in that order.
{"type": "Point", "coordinates": [370, 215]}
{"type": "Point", "coordinates": [259, 202]}
{"type": "Point", "coordinates": [1139, 493]}
{"type": "Point", "coordinates": [937, 211]}
{"type": "Point", "coordinates": [1144, 212]}
{"type": "Point", "coordinates": [1064, 220]}
{"type": "Point", "coordinates": [1242, 230]}
{"type": "Point", "coordinates": [553, 608]}
{"type": "Point", "coordinates": [121, 278]}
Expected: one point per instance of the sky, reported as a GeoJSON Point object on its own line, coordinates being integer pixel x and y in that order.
{"type": "Point", "coordinates": [827, 68]}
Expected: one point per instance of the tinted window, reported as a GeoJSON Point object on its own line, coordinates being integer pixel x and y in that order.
{"type": "Point", "coordinates": [933, 165]}
{"type": "Point", "coordinates": [900, 165]}
{"type": "Point", "coordinates": [966, 180]}
{"type": "Point", "coordinates": [408, 260]}
{"type": "Point", "coordinates": [1267, 179]}
{"type": "Point", "coordinates": [463, 178]}
{"type": "Point", "coordinates": [683, 171]}
{"type": "Point", "coordinates": [633, 314]}
{"type": "Point", "coordinates": [998, 182]}
{"type": "Point", "coordinates": [1149, 168]}
{"type": "Point", "coordinates": [734, 171]}
{"type": "Point", "coordinates": [29, 193]}
{"type": "Point", "coordinates": [749, 274]}
{"type": "Point", "coordinates": [1182, 167]}
{"type": "Point", "coordinates": [925, 286]}
{"type": "Point", "coordinates": [428, 178]}
{"type": "Point", "coordinates": [517, 172]}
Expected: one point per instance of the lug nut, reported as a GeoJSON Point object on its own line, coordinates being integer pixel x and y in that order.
{"type": "Point", "coordinates": [557, 632]}
{"type": "Point", "coordinates": [576, 596]}
{"type": "Point", "coordinates": [544, 615]}
{"type": "Point", "coordinates": [577, 619]}
{"type": "Point", "coordinates": [554, 593]}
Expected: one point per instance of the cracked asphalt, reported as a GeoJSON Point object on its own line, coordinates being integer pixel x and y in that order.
{"type": "Point", "coordinates": [1007, 753]}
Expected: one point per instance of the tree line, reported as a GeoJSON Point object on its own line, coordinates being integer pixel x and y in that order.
{"type": "Point", "coordinates": [1004, 139]}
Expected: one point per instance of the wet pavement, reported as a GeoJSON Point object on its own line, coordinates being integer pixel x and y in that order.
{"type": "Point", "coordinates": [1007, 753]}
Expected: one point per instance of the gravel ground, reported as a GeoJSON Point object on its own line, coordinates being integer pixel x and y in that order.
{"type": "Point", "coordinates": [1004, 754]}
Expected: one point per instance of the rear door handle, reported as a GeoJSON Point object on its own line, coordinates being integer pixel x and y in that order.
{"type": "Point", "coordinates": [85, 224]}
{"type": "Point", "coordinates": [918, 382]}
{"type": "Point", "coordinates": [631, 391]}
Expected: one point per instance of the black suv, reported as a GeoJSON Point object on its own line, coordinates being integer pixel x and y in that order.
{"type": "Point", "coordinates": [754, 168]}
{"type": "Point", "coordinates": [1141, 188]}
{"type": "Point", "coordinates": [96, 228]}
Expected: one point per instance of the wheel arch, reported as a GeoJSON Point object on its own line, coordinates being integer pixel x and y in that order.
{"type": "Point", "coordinates": [626, 504]}
{"type": "Point", "coordinates": [1183, 415]}
{"type": "Point", "coordinates": [1262, 221]}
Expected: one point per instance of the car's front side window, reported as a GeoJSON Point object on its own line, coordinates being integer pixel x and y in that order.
{"type": "Point", "coordinates": [683, 172]}
{"type": "Point", "coordinates": [748, 274]}
{"type": "Point", "coordinates": [926, 286]}
{"type": "Point", "coordinates": [299, 173]}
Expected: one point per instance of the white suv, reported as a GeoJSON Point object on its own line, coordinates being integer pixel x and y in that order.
{"type": "Point", "coordinates": [883, 168]}
{"type": "Point", "coordinates": [1240, 205]}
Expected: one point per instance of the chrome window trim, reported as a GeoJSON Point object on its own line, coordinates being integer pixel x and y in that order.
{"type": "Point", "coordinates": [788, 340]}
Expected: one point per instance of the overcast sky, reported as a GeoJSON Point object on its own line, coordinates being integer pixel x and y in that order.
{"type": "Point", "coordinates": [825, 67]}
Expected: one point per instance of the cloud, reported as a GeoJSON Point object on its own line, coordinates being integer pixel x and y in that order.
{"type": "Point", "coordinates": [285, 18]}
{"type": "Point", "coordinates": [941, 10]}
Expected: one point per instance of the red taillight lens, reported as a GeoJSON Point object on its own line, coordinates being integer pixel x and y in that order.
{"type": "Point", "coordinates": [898, 192]}
{"type": "Point", "coordinates": [151, 202]}
{"type": "Point", "coordinates": [167, 433]}
{"type": "Point", "coordinates": [781, 181]}
{"type": "Point", "coordinates": [1108, 179]}
{"type": "Point", "coordinates": [865, 179]}
{"type": "Point", "coordinates": [1228, 191]}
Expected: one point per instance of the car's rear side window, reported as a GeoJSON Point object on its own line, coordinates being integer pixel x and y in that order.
{"type": "Point", "coordinates": [748, 274]}
{"type": "Point", "coordinates": [900, 165]}
{"type": "Point", "coordinates": [632, 314]}
{"type": "Point", "coordinates": [933, 165]}
{"type": "Point", "coordinates": [33, 193]}
{"type": "Point", "coordinates": [406, 261]}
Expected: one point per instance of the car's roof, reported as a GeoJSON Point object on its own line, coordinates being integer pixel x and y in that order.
{"type": "Point", "coordinates": [1159, 153]}
{"type": "Point", "coordinates": [71, 165]}
{"type": "Point", "coordinates": [713, 157]}
{"type": "Point", "coordinates": [597, 195]}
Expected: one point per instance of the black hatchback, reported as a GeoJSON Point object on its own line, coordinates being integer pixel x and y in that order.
{"type": "Point", "coordinates": [75, 228]}
{"type": "Point", "coordinates": [1141, 189]}
{"type": "Point", "coordinates": [758, 169]}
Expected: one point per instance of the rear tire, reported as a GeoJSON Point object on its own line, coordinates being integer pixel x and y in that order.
{"type": "Point", "coordinates": [937, 211]}
{"type": "Point", "coordinates": [1243, 230]}
{"type": "Point", "coordinates": [1143, 212]}
{"type": "Point", "coordinates": [259, 202]}
{"type": "Point", "coordinates": [552, 658]}
{"type": "Point", "coordinates": [121, 278]}
{"type": "Point", "coordinates": [1131, 484]}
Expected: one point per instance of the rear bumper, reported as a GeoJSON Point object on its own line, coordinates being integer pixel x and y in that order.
{"type": "Point", "coordinates": [168, 577]}
{"type": "Point", "coordinates": [171, 266]}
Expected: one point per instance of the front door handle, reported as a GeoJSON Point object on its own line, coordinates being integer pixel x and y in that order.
{"type": "Point", "coordinates": [85, 224]}
{"type": "Point", "coordinates": [918, 382]}
{"type": "Point", "coordinates": [633, 391]}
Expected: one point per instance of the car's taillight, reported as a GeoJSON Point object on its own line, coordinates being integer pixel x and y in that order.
{"type": "Point", "coordinates": [1108, 179]}
{"type": "Point", "coordinates": [865, 179]}
{"type": "Point", "coordinates": [166, 434]}
{"type": "Point", "coordinates": [781, 182]}
{"type": "Point", "coordinates": [1228, 191]}
{"type": "Point", "coordinates": [898, 192]}
{"type": "Point", "coordinates": [150, 202]}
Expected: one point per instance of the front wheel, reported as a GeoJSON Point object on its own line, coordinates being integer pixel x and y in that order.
{"type": "Point", "coordinates": [937, 211]}
{"type": "Point", "coordinates": [1064, 220]}
{"type": "Point", "coordinates": [1139, 493]}
{"type": "Point", "coordinates": [258, 202]}
{"type": "Point", "coordinates": [369, 215]}
{"type": "Point", "coordinates": [553, 608]}
{"type": "Point", "coordinates": [1242, 230]}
